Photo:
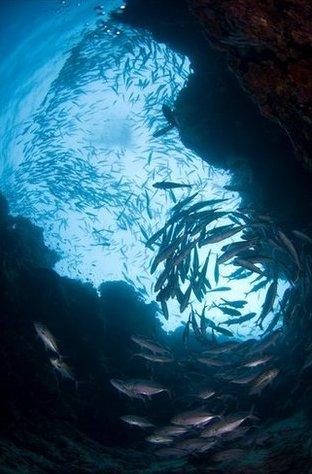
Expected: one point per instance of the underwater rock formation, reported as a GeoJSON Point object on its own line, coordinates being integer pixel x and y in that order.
{"type": "Point", "coordinates": [52, 424]}
{"type": "Point", "coordinates": [220, 119]}
{"type": "Point", "coordinates": [268, 45]}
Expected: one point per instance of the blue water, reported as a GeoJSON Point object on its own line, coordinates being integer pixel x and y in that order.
{"type": "Point", "coordinates": [80, 101]}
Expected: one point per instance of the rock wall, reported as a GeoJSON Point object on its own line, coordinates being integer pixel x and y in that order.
{"type": "Point", "coordinates": [269, 48]}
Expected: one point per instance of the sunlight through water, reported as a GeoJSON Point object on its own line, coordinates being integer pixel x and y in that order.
{"type": "Point", "coordinates": [82, 165]}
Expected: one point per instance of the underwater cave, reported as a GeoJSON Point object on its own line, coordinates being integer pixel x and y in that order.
{"type": "Point", "coordinates": [156, 236]}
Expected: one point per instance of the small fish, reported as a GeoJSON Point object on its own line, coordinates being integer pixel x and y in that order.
{"type": "Point", "coordinates": [235, 304]}
{"type": "Point", "coordinates": [62, 368]}
{"type": "Point", "coordinates": [193, 418]}
{"type": "Point", "coordinates": [205, 394]}
{"type": "Point", "coordinates": [246, 317]}
{"type": "Point", "coordinates": [258, 361]}
{"type": "Point", "coordinates": [248, 265]}
{"type": "Point", "coordinates": [302, 236]}
{"type": "Point", "coordinates": [164, 308]}
{"type": "Point", "coordinates": [162, 359]}
{"type": "Point", "coordinates": [137, 421]}
{"type": "Point", "coordinates": [221, 288]}
{"type": "Point", "coordinates": [268, 304]}
{"type": "Point", "coordinates": [186, 298]}
{"type": "Point", "coordinates": [159, 439]}
{"type": "Point", "coordinates": [258, 287]}
{"type": "Point", "coordinates": [211, 362]}
{"type": "Point", "coordinates": [225, 425]}
{"type": "Point", "coordinates": [222, 348]}
{"type": "Point", "coordinates": [192, 445]}
{"type": "Point", "coordinates": [228, 311]}
{"type": "Point", "coordinates": [147, 387]}
{"type": "Point", "coordinates": [186, 331]}
{"type": "Point", "coordinates": [46, 337]}
{"type": "Point", "coordinates": [263, 380]}
{"type": "Point", "coordinates": [244, 380]}
{"type": "Point", "coordinates": [176, 209]}
{"type": "Point", "coordinates": [170, 185]}
{"type": "Point", "coordinates": [216, 272]}
{"type": "Point", "coordinates": [171, 119]}
{"type": "Point", "coordinates": [171, 431]}
{"type": "Point", "coordinates": [149, 344]}
{"type": "Point", "coordinates": [223, 234]}
{"type": "Point", "coordinates": [290, 247]}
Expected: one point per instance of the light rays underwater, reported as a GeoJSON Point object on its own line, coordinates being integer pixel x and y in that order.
{"type": "Point", "coordinates": [87, 161]}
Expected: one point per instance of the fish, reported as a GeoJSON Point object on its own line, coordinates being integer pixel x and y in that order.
{"type": "Point", "coordinates": [164, 308]}
{"type": "Point", "coordinates": [246, 317]}
{"type": "Point", "coordinates": [202, 274]}
{"type": "Point", "coordinates": [216, 272]}
{"type": "Point", "coordinates": [290, 247]}
{"type": "Point", "coordinates": [235, 304]}
{"type": "Point", "coordinates": [193, 445]}
{"type": "Point", "coordinates": [258, 361]}
{"type": "Point", "coordinates": [222, 348]}
{"type": "Point", "coordinates": [212, 362]}
{"type": "Point", "coordinates": [225, 425]}
{"type": "Point", "coordinates": [193, 418]}
{"type": "Point", "coordinates": [62, 368]}
{"type": "Point", "coordinates": [273, 322]}
{"type": "Point", "coordinates": [171, 119]}
{"type": "Point", "coordinates": [137, 388]}
{"type": "Point", "coordinates": [228, 311]}
{"type": "Point", "coordinates": [266, 343]}
{"type": "Point", "coordinates": [47, 337]}
{"type": "Point", "coordinates": [195, 327]}
{"type": "Point", "coordinates": [162, 359]}
{"type": "Point", "coordinates": [186, 298]}
{"type": "Point", "coordinates": [244, 380]}
{"type": "Point", "coordinates": [268, 304]}
{"type": "Point", "coordinates": [206, 393]}
{"type": "Point", "coordinates": [248, 265]}
{"type": "Point", "coordinates": [149, 344]}
{"type": "Point", "coordinates": [223, 234]}
{"type": "Point", "coordinates": [186, 331]}
{"type": "Point", "coordinates": [171, 430]}
{"type": "Point", "coordinates": [177, 208]}
{"type": "Point", "coordinates": [302, 236]}
{"type": "Point", "coordinates": [122, 386]}
{"type": "Point", "coordinates": [257, 287]}
{"type": "Point", "coordinates": [170, 185]}
{"type": "Point", "coordinates": [221, 288]}
{"type": "Point", "coordinates": [147, 387]}
{"type": "Point", "coordinates": [233, 252]}
{"type": "Point", "coordinates": [137, 421]}
{"type": "Point", "coordinates": [238, 274]}
{"type": "Point", "coordinates": [263, 380]}
{"type": "Point", "coordinates": [159, 439]}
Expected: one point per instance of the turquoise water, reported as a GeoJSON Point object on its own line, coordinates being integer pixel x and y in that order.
{"type": "Point", "coordinates": [81, 100]}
